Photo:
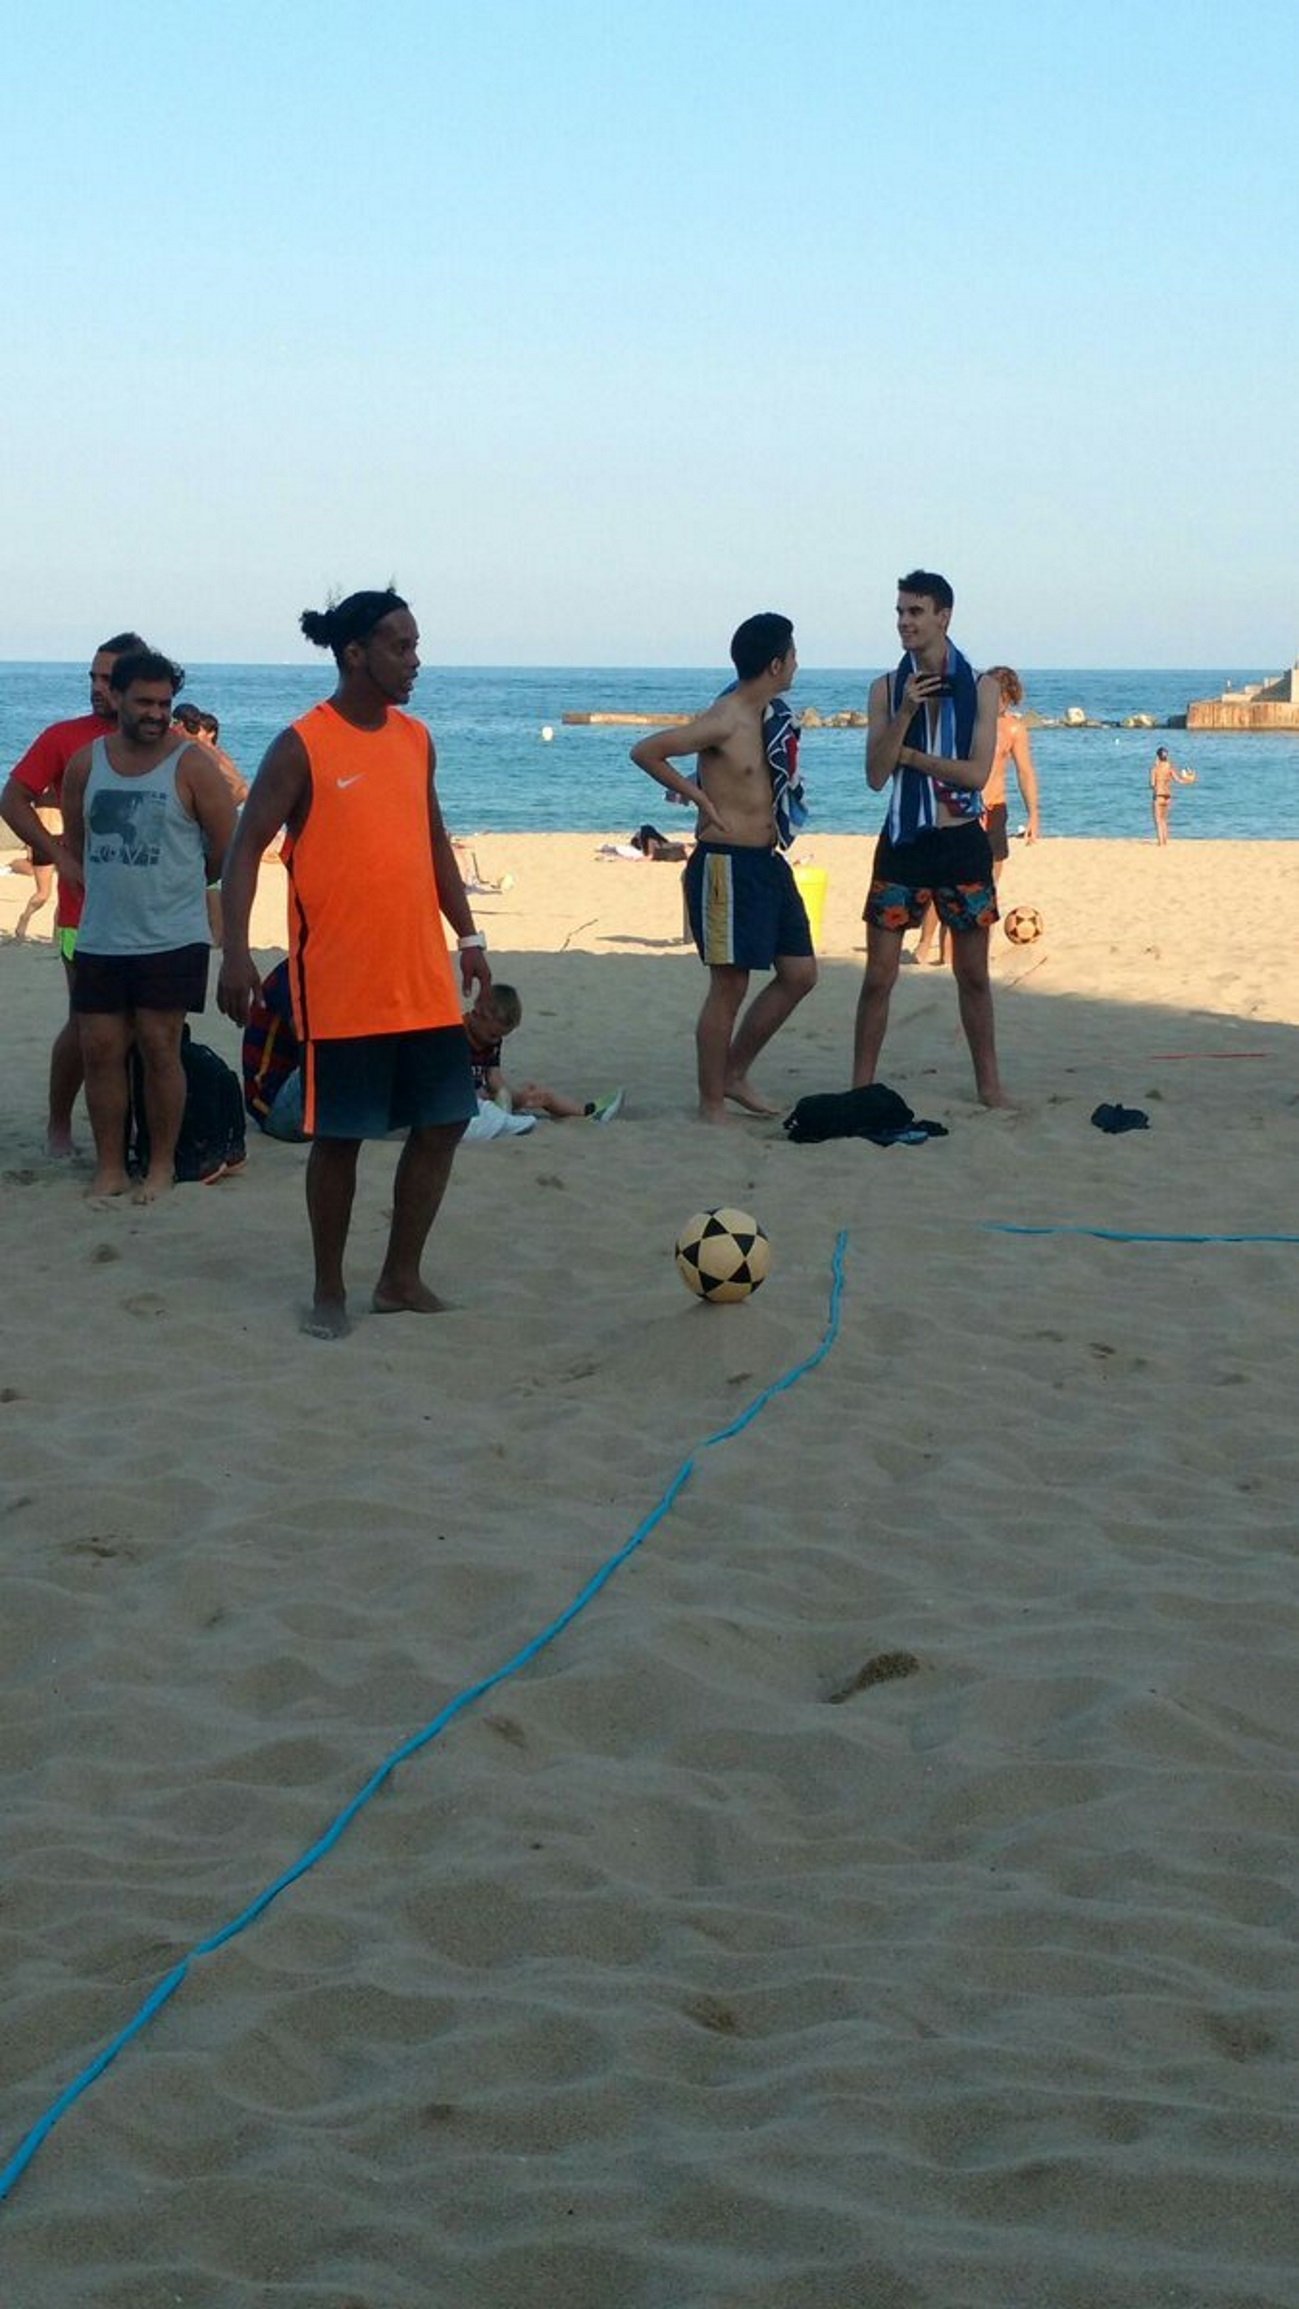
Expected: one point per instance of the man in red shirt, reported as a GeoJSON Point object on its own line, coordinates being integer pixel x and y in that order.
{"type": "Point", "coordinates": [39, 777]}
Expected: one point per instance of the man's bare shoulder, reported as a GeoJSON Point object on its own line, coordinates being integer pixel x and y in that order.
{"type": "Point", "coordinates": [728, 711]}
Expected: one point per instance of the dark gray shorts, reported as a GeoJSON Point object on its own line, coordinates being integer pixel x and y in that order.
{"type": "Point", "coordinates": [370, 1084]}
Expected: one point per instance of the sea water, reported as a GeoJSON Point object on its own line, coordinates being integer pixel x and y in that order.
{"type": "Point", "coordinates": [498, 774]}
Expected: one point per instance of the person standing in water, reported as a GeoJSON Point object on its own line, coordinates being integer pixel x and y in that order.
{"type": "Point", "coordinates": [1163, 773]}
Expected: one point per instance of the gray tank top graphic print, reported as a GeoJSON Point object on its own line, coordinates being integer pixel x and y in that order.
{"type": "Point", "coordinates": [145, 863]}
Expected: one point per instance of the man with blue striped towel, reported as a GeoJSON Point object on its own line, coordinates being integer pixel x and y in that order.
{"type": "Point", "coordinates": [931, 737]}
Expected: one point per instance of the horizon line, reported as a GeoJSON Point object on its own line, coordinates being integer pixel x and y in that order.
{"type": "Point", "coordinates": [599, 665]}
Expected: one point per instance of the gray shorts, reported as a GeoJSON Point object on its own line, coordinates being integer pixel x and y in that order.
{"type": "Point", "coordinates": [366, 1085]}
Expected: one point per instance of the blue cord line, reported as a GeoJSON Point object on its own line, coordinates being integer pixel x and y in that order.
{"type": "Point", "coordinates": [166, 1988]}
{"type": "Point", "coordinates": [1116, 1235]}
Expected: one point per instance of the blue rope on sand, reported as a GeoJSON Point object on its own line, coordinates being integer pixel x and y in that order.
{"type": "Point", "coordinates": [11, 2173]}
{"type": "Point", "coordinates": [1117, 1235]}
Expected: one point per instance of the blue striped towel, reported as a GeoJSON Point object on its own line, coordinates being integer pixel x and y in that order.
{"type": "Point", "coordinates": [913, 807]}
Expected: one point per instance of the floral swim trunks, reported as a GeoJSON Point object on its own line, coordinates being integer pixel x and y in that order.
{"type": "Point", "coordinates": [950, 866]}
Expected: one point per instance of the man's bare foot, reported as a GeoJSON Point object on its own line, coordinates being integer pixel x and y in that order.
{"type": "Point", "coordinates": [406, 1299]}
{"type": "Point", "coordinates": [106, 1183]}
{"type": "Point", "coordinates": [996, 1097]}
{"type": "Point", "coordinates": [58, 1142]}
{"type": "Point", "coordinates": [741, 1090]}
{"type": "Point", "coordinates": [714, 1111]}
{"type": "Point", "coordinates": [154, 1185]}
{"type": "Point", "coordinates": [326, 1319]}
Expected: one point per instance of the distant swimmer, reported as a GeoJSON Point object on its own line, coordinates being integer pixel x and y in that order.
{"type": "Point", "coordinates": [931, 737]}
{"type": "Point", "coordinates": [30, 805]}
{"type": "Point", "coordinates": [743, 903]}
{"type": "Point", "coordinates": [376, 1003]}
{"type": "Point", "coordinates": [1164, 773]}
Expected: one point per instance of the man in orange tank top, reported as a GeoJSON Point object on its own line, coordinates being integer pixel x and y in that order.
{"type": "Point", "coordinates": [375, 999]}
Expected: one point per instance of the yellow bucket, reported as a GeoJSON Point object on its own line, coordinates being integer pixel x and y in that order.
{"type": "Point", "coordinates": [813, 882]}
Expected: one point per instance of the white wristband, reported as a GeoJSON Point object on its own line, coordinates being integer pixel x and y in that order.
{"type": "Point", "coordinates": [472, 938]}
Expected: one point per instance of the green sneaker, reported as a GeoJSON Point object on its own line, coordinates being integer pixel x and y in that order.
{"type": "Point", "coordinates": [606, 1109]}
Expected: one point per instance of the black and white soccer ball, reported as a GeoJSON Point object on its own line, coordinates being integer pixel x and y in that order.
{"type": "Point", "coordinates": [723, 1254]}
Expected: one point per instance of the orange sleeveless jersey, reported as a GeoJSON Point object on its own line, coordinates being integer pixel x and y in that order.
{"type": "Point", "coordinates": [367, 950]}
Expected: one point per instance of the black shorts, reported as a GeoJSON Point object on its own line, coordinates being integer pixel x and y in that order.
{"type": "Point", "coordinates": [997, 841]}
{"type": "Point", "coordinates": [953, 867]}
{"type": "Point", "coordinates": [744, 907]}
{"type": "Point", "coordinates": [121, 983]}
{"type": "Point", "coordinates": [371, 1084]}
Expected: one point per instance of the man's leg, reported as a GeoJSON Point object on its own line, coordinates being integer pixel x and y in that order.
{"type": "Point", "coordinates": [883, 954]}
{"type": "Point", "coordinates": [67, 1073]}
{"type": "Point", "coordinates": [331, 1184]}
{"type": "Point", "coordinates": [105, 1039]}
{"type": "Point", "coordinates": [974, 994]}
{"type": "Point", "coordinates": [418, 1188]}
{"type": "Point", "coordinates": [157, 1035]}
{"type": "Point", "coordinates": [795, 976]}
{"type": "Point", "coordinates": [727, 986]}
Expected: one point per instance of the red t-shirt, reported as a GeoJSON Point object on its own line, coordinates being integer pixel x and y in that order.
{"type": "Point", "coordinates": [41, 772]}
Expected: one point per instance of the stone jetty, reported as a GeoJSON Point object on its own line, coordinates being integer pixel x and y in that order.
{"type": "Point", "coordinates": [1257, 705]}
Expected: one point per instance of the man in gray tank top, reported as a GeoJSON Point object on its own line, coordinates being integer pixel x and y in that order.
{"type": "Point", "coordinates": [148, 814]}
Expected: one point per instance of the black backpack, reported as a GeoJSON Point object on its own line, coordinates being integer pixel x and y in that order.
{"type": "Point", "coordinates": [211, 1138]}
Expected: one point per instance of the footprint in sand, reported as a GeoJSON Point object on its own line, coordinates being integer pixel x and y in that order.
{"type": "Point", "coordinates": [103, 1550]}
{"type": "Point", "coordinates": [145, 1304]}
{"type": "Point", "coordinates": [710, 2012]}
{"type": "Point", "coordinates": [881, 1668]}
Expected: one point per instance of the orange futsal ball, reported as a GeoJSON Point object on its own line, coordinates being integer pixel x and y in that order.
{"type": "Point", "coordinates": [1023, 925]}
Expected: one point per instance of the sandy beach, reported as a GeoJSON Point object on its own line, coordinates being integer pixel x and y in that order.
{"type": "Point", "coordinates": [703, 1963]}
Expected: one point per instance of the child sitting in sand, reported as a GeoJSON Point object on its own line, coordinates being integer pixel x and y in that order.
{"type": "Point", "coordinates": [495, 1014]}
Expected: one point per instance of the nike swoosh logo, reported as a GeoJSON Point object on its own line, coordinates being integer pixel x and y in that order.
{"type": "Point", "coordinates": [352, 781]}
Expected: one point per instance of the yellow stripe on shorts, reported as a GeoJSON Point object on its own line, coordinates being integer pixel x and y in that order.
{"type": "Point", "coordinates": [718, 909]}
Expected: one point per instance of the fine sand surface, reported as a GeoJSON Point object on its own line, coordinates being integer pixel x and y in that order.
{"type": "Point", "coordinates": [669, 1977]}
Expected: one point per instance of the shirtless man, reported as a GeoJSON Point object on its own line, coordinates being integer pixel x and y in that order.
{"type": "Point", "coordinates": [743, 903]}
{"type": "Point", "coordinates": [1163, 770]}
{"type": "Point", "coordinates": [1012, 749]}
{"type": "Point", "coordinates": [931, 735]}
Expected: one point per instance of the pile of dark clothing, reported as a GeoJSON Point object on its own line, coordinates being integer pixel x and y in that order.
{"type": "Point", "coordinates": [874, 1112]}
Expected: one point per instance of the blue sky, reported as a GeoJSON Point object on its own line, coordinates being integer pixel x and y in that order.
{"type": "Point", "coordinates": [598, 328]}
